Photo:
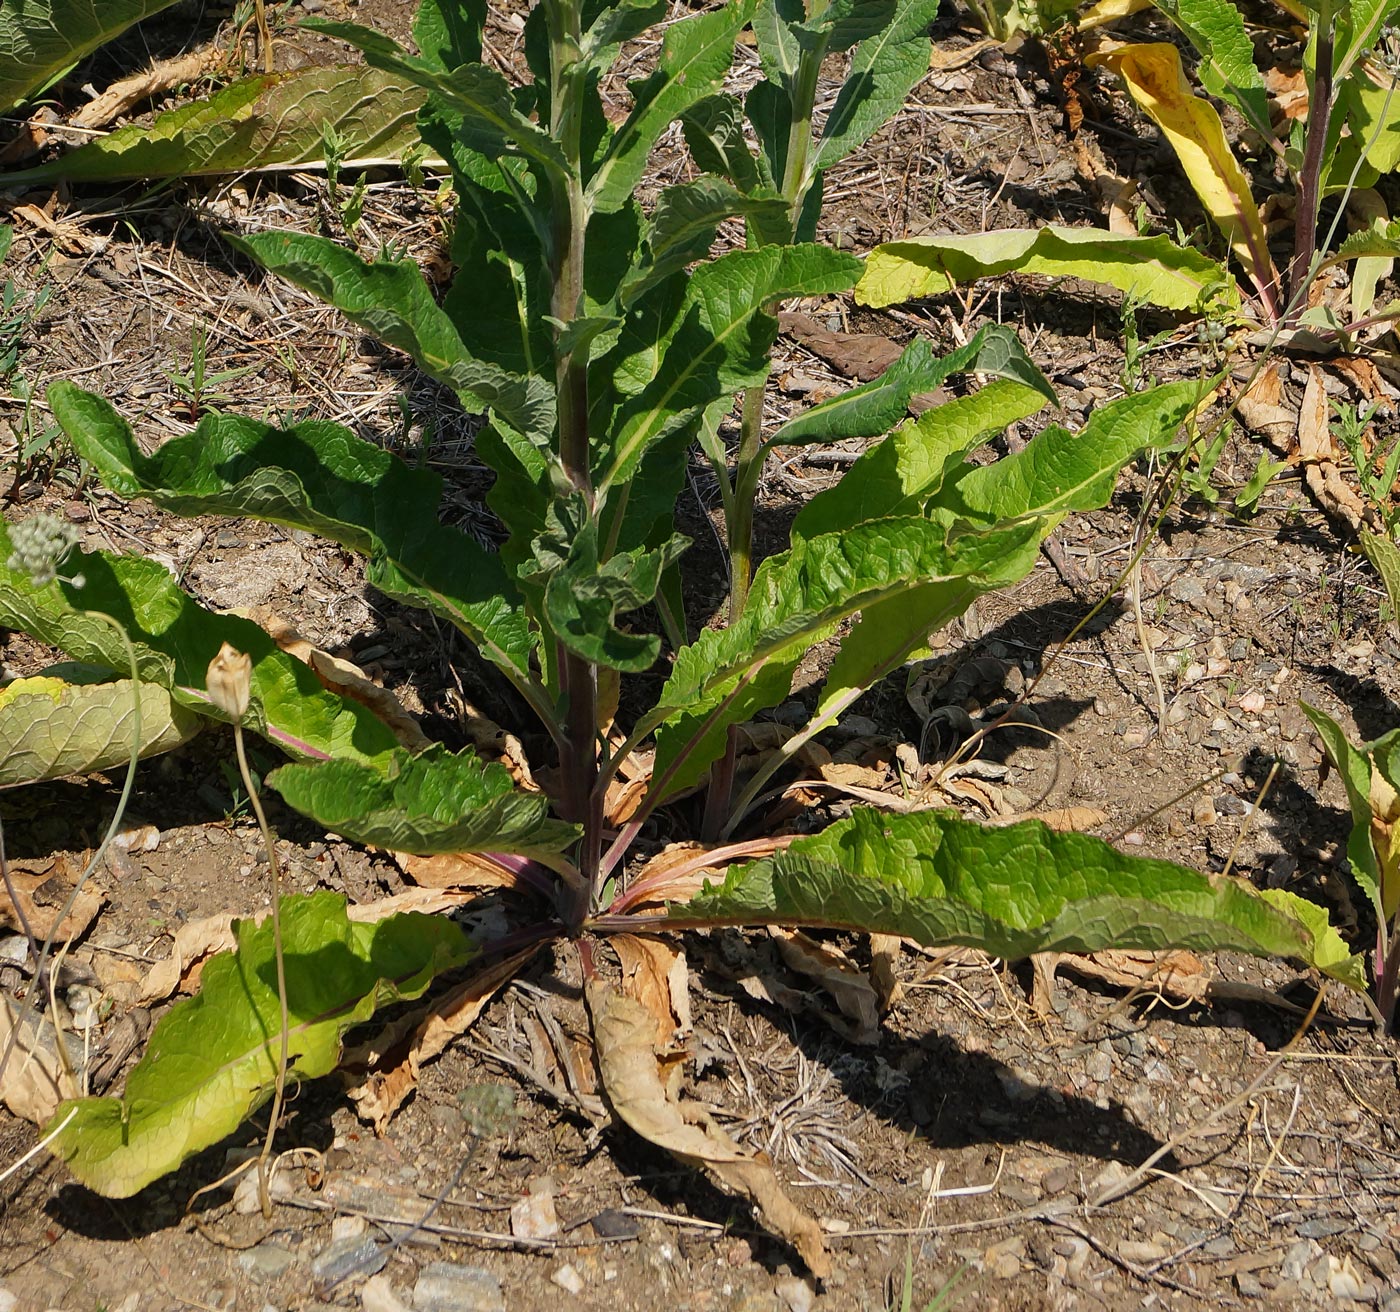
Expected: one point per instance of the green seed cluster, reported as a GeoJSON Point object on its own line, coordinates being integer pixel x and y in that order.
{"type": "Point", "coordinates": [39, 546]}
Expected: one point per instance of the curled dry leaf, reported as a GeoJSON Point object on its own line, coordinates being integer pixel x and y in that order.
{"type": "Point", "coordinates": [1062, 819]}
{"type": "Point", "coordinates": [395, 1057]}
{"type": "Point", "coordinates": [347, 679]}
{"type": "Point", "coordinates": [681, 870]}
{"type": "Point", "coordinates": [1319, 454]}
{"type": "Point", "coordinates": [464, 870]}
{"type": "Point", "coordinates": [623, 1030]}
{"type": "Point", "coordinates": [862, 356]}
{"type": "Point", "coordinates": [848, 985]}
{"type": "Point", "coordinates": [162, 75]}
{"type": "Point", "coordinates": [32, 1081]}
{"type": "Point", "coordinates": [39, 897]}
{"type": "Point", "coordinates": [884, 958]}
{"type": "Point", "coordinates": [654, 973]}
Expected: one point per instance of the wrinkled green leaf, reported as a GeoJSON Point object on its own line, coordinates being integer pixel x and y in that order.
{"type": "Point", "coordinates": [490, 123]}
{"type": "Point", "coordinates": [898, 475]}
{"type": "Point", "coordinates": [1384, 555]}
{"type": "Point", "coordinates": [41, 39]}
{"type": "Point", "coordinates": [448, 32]}
{"type": "Point", "coordinates": [874, 407]}
{"type": "Point", "coordinates": [695, 55]}
{"type": "Point", "coordinates": [1010, 891]}
{"type": "Point", "coordinates": [49, 728]}
{"type": "Point", "coordinates": [1381, 238]}
{"type": "Point", "coordinates": [391, 300]}
{"type": "Point", "coordinates": [683, 227]}
{"type": "Point", "coordinates": [619, 22]}
{"type": "Point", "coordinates": [714, 134]}
{"type": "Point", "coordinates": [322, 478]}
{"type": "Point", "coordinates": [175, 639]}
{"type": "Point", "coordinates": [716, 343]}
{"type": "Point", "coordinates": [1371, 147]}
{"type": "Point", "coordinates": [884, 69]}
{"type": "Point", "coordinates": [272, 121]}
{"type": "Point", "coordinates": [1057, 473]}
{"type": "Point", "coordinates": [1330, 953]}
{"type": "Point", "coordinates": [1153, 269]}
{"type": "Point", "coordinates": [212, 1060]}
{"type": "Point", "coordinates": [434, 802]}
{"type": "Point", "coordinates": [797, 600]}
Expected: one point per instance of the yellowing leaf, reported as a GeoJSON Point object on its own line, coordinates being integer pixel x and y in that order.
{"type": "Point", "coordinates": [1154, 78]}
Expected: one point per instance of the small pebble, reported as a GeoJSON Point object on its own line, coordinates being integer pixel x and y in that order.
{"type": "Point", "coordinates": [796, 1295]}
{"type": "Point", "coordinates": [568, 1279]}
{"type": "Point", "coordinates": [448, 1287]}
{"type": "Point", "coordinates": [378, 1296]}
{"type": "Point", "coordinates": [266, 1262]}
{"type": "Point", "coordinates": [534, 1217]}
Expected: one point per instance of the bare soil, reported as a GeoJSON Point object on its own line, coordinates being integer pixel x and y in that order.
{"type": "Point", "coordinates": [977, 1132]}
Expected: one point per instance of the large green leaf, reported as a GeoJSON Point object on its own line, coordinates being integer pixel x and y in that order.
{"type": "Point", "coordinates": [884, 69]}
{"type": "Point", "coordinates": [489, 123]}
{"type": "Point", "coordinates": [1227, 70]}
{"type": "Point", "coordinates": [272, 121]}
{"type": "Point", "coordinates": [212, 1061]}
{"type": "Point", "coordinates": [683, 227]}
{"type": "Point", "coordinates": [435, 802]}
{"type": "Point", "coordinates": [42, 39]}
{"type": "Point", "coordinates": [1330, 953]}
{"type": "Point", "coordinates": [1153, 269]}
{"type": "Point", "coordinates": [1371, 147]}
{"type": "Point", "coordinates": [797, 600]}
{"type": "Point", "coordinates": [320, 477]}
{"type": "Point", "coordinates": [875, 407]}
{"type": "Point", "coordinates": [1056, 473]}
{"type": "Point", "coordinates": [898, 475]}
{"type": "Point", "coordinates": [1354, 766]}
{"type": "Point", "coordinates": [50, 728]}
{"type": "Point", "coordinates": [695, 55]}
{"type": "Point", "coordinates": [714, 132]}
{"type": "Point", "coordinates": [391, 300]}
{"type": "Point", "coordinates": [1011, 891]}
{"type": "Point", "coordinates": [1384, 555]}
{"type": "Point", "coordinates": [448, 32]}
{"type": "Point", "coordinates": [1059, 472]}
{"type": "Point", "coordinates": [175, 639]}
{"type": "Point", "coordinates": [715, 343]}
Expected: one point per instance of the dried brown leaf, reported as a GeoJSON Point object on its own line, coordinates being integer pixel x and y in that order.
{"type": "Point", "coordinates": [163, 75]}
{"type": "Point", "coordinates": [885, 950]}
{"type": "Point", "coordinates": [863, 356]}
{"type": "Point", "coordinates": [463, 870]}
{"type": "Point", "coordinates": [39, 897]}
{"type": "Point", "coordinates": [848, 985]}
{"type": "Point", "coordinates": [33, 1081]}
{"type": "Point", "coordinates": [1063, 819]}
{"type": "Point", "coordinates": [397, 1056]}
{"type": "Point", "coordinates": [623, 1030]}
{"type": "Point", "coordinates": [347, 679]}
{"type": "Point", "coordinates": [654, 973]}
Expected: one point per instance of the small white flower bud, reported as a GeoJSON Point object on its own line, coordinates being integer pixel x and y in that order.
{"type": "Point", "coordinates": [230, 680]}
